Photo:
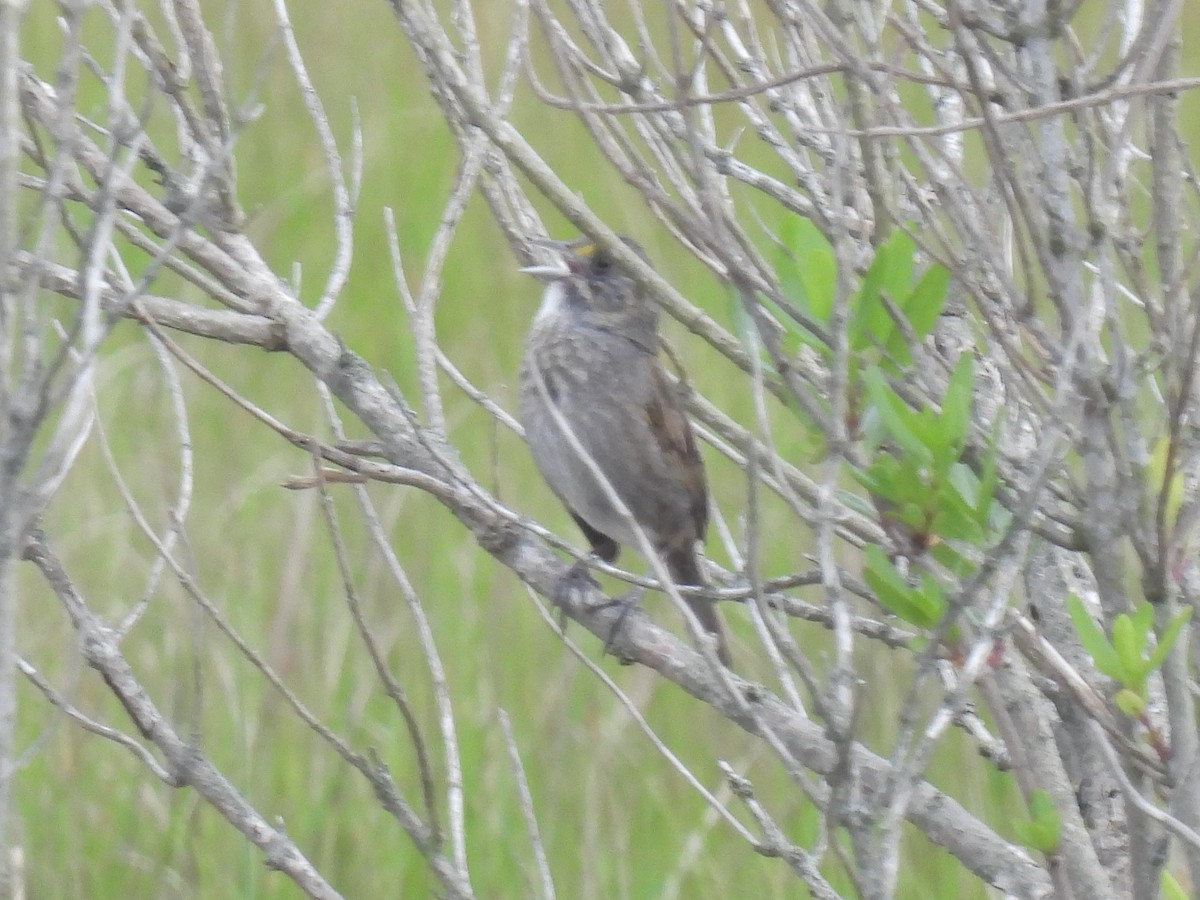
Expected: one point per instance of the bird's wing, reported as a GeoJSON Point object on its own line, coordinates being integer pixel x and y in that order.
{"type": "Point", "coordinates": [673, 431]}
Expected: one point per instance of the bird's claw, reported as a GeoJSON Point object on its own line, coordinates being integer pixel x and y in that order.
{"type": "Point", "coordinates": [577, 580]}
{"type": "Point", "coordinates": [629, 601]}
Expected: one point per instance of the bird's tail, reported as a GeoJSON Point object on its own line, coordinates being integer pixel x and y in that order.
{"type": "Point", "coordinates": [685, 569]}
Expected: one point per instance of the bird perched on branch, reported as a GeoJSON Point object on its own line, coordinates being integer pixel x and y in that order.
{"type": "Point", "coordinates": [595, 402]}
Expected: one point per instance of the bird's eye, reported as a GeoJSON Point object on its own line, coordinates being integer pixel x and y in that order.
{"type": "Point", "coordinates": [601, 262]}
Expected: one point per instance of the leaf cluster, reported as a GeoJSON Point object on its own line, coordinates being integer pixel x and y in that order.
{"type": "Point", "coordinates": [1130, 656]}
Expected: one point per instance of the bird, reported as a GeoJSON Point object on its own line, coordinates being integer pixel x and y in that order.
{"type": "Point", "coordinates": [591, 364]}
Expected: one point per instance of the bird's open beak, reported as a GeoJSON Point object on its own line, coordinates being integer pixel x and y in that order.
{"type": "Point", "coordinates": [558, 269]}
{"type": "Point", "coordinates": [548, 273]}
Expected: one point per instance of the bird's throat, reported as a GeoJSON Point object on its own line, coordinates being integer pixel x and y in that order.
{"type": "Point", "coordinates": [554, 302]}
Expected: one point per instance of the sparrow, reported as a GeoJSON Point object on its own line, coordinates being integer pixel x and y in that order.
{"type": "Point", "coordinates": [592, 355]}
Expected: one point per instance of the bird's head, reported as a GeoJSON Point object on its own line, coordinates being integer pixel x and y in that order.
{"type": "Point", "coordinates": [590, 284]}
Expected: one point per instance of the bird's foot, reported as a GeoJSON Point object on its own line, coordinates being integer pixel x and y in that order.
{"type": "Point", "coordinates": [628, 602]}
{"type": "Point", "coordinates": [577, 580]}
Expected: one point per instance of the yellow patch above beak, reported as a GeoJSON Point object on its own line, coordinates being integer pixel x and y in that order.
{"type": "Point", "coordinates": [586, 250]}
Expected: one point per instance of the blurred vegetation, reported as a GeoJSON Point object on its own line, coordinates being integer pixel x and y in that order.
{"type": "Point", "coordinates": [93, 825]}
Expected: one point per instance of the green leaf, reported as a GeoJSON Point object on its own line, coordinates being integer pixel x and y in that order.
{"type": "Point", "coordinates": [1142, 619]}
{"type": "Point", "coordinates": [876, 478]}
{"type": "Point", "coordinates": [912, 513]}
{"type": "Point", "coordinates": [807, 268]}
{"type": "Point", "coordinates": [1129, 702]}
{"type": "Point", "coordinates": [954, 518]}
{"type": "Point", "coordinates": [1044, 828]}
{"type": "Point", "coordinates": [889, 587]}
{"type": "Point", "coordinates": [897, 596]}
{"type": "Point", "coordinates": [1171, 889]}
{"type": "Point", "coordinates": [921, 309]}
{"type": "Point", "coordinates": [895, 416]}
{"type": "Point", "coordinates": [956, 404]}
{"type": "Point", "coordinates": [927, 299]}
{"type": "Point", "coordinates": [889, 273]}
{"type": "Point", "coordinates": [900, 249]}
{"type": "Point", "coordinates": [1093, 639]}
{"type": "Point", "coordinates": [970, 489]}
{"type": "Point", "coordinates": [927, 426]}
{"type": "Point", "coordinates": [1159, 653]}
{"type": "Point", "coordinates": [934, 595]}
{"type": "Point", "coordinates": [865, 307]}
{"type": "Point", "coordinates": [955, 562]}
{"type": "Point", "coordinates": [1128, 651]}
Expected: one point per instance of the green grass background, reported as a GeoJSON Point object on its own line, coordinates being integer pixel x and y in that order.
{"type": "Point", "coordinates": [616, 819]}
